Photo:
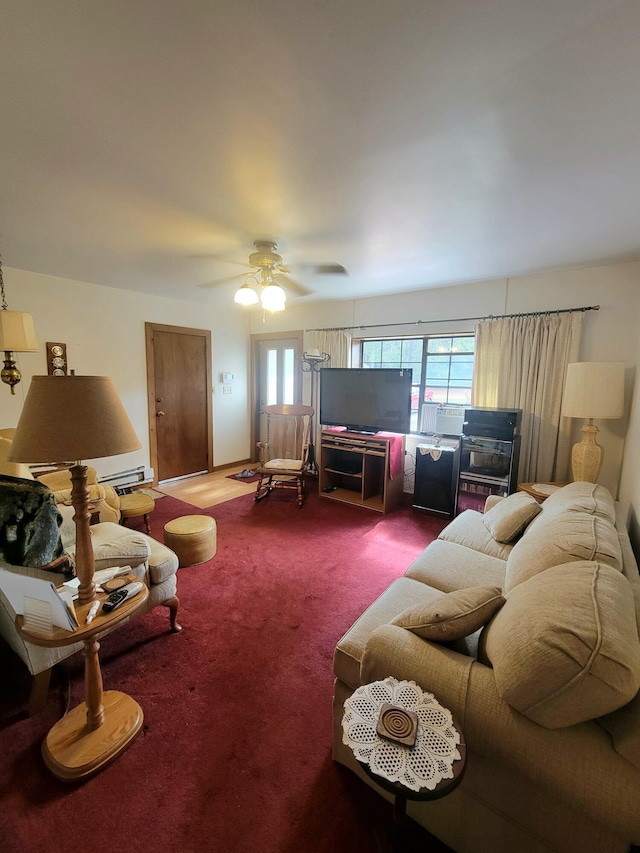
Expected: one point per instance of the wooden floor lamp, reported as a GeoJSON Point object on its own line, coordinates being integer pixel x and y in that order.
{"type": "Point", "coordinates": [71, 418]}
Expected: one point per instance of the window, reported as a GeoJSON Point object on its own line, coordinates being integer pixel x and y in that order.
{"type": "Point", "coordinates": [442, 367]}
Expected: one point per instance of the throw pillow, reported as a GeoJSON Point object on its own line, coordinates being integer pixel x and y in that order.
{"type": "Point", "coordinates": [565, 647]}
{"type": "Point", "coordinates": [509, 517]}
{"type": "Point", "coordinates": [453, 615]}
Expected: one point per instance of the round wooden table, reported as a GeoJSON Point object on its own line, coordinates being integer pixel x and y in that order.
{"type": "Point", "coordinates": [427, 745]}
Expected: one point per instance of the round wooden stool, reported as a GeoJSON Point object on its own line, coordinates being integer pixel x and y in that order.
{"type": "Point", "coordinates": [192, 537]}
{"type": "Point", "coordinates": [137, 503]}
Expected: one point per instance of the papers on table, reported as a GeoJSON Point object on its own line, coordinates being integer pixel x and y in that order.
{"type": "Point", "coordinates": [99, 577]}
{"type": "Point", "coordinates": [16, 587]}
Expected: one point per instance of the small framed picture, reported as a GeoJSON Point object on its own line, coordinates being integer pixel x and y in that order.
{"type": "Point", "coordinates": [56, 359]}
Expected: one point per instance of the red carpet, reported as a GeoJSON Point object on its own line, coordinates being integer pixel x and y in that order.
{"type": "Point", "coordinates": [235, 753]}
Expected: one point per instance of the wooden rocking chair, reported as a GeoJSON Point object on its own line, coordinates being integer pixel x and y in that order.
{"type": "Point", "coordinates": [283, 456]}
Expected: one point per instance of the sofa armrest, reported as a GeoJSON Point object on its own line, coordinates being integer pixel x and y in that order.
{"type": "Point", "coordinates": [395, 651]}
{"type": "Point", "coordinates": [576, 764]}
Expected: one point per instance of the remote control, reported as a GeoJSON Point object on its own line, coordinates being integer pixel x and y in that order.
{"type": "Point", "coordinates": [120, 596]}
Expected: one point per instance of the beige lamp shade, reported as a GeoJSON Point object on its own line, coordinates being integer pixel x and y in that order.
{"type": "Point", "coordinates": [594, 389]}
{"type": "Point", "coordinates": [69, 418]}
{"type": "Point", "coordinates": [16, 332]}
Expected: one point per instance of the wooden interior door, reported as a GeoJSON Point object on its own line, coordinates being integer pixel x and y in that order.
{"type": "Point", "coordinates": [179, 385]}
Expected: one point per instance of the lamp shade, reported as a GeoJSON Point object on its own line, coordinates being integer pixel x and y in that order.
{"type": "Point", "coordinates": [16, 332]}
{"type": "Point", "coordinates": [246, 295]}
{"type": "Point", "coordinates": [273, 298]}
{"type": "Point", "coordinates": [69, 418]}
{"type": "Point", "coordinates": [594, 389]}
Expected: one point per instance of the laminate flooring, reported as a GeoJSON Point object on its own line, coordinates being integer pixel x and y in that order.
{"type": "Point", "coordinates": [209, 489]}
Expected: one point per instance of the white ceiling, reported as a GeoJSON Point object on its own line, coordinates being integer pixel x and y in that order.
{"type": "Point", "coordinates": [146, 144]}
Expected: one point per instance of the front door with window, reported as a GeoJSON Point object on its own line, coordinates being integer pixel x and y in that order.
{"type": "Point", "coordinates": [277, 376]}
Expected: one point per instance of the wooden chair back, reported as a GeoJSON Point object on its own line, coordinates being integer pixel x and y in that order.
{"type": "Point", "coordinates": [287, 432]}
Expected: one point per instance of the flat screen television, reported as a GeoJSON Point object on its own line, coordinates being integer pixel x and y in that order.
{"type": "Point", "coordinates": [366, 399]}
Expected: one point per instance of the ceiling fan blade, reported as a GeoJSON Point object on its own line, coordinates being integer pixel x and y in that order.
{"type": "Point", "coordinates": [291, 284]}
{"type": "Point", "coordinates": [208, 284]}
{"type": "Point", "coordinates": [319, 269]}
{"type": "Point", "coordinates": [221, 259]}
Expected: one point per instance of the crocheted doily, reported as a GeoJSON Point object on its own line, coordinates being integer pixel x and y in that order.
{"type": "Point", "coordinates": [424, 765]}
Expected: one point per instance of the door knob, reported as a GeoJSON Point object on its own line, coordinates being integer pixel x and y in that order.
{"type": "Point", "coordinates": [159, 414]}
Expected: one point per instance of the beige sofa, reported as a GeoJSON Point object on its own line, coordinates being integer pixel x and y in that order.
{"type": "Point", "coordinates": [546, 692]}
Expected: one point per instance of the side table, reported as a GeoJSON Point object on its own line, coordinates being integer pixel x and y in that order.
{"type": "Point", "coordinates": [430, 768]}
{"type": "Point", "coordinates": [95, 732]}
{"type": "Point", "coordinates": [542, 493]}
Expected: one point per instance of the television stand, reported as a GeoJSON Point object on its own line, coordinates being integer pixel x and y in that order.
{"type": "Point", "coordinates": [355, 468]}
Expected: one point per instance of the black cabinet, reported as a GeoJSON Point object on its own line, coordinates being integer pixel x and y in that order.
{"type": "Point", "coordinates": [436, 479]}
{"type": "Point", "coordinates": [489, 455]}
{"type": "Point", "coordinates": [489, 466]}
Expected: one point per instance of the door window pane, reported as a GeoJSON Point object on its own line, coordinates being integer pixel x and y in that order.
{"type": "Point", "coordinates": [289, 378]}
{"type": "Point", "coordinates": [272, 377]}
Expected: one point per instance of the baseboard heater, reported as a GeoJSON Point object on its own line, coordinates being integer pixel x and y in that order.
{"type": "Point", "coordinates": [132, 477]}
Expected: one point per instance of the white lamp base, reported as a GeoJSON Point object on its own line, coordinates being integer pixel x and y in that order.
{"type": "Point", "coordinates": [587, 455]}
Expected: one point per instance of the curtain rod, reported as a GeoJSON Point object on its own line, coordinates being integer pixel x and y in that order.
{"type": "Point", "coordinates": [458, 319]}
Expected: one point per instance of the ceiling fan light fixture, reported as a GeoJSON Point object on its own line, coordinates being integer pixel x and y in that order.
{"type": "Point", "coordinates": [246, 295]}
{"type": "Point", "coordinates": [273, 298]}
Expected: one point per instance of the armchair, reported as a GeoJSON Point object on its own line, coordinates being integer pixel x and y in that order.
{"type": "Point", "coordinates": [103, 497]}
{"type": "Point", "coordinates": [113, 546]}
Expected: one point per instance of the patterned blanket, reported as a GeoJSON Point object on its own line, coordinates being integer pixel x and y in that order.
{"type": "Point", "coordinates": [30, 526]}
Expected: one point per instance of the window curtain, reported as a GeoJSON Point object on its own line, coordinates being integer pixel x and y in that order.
{"type": "Point", "coordinates": [336, 343]}
{"type": "Point", "coordinates": [521, 362]}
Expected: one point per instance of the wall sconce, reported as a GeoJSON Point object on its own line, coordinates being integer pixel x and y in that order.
{"type": "Point", "coordinates": [16, 335]}
{"type": "Point", "coordinates": [593, 389]}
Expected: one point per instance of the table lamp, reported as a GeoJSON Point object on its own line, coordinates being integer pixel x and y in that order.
{"type": "Point", "coordinates": [593, 389]}
{"type": "Point", "coordinates": [67, 418]}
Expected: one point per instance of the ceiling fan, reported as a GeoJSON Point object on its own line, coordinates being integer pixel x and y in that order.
{"type": "Point", "coordinates": [269, 275]}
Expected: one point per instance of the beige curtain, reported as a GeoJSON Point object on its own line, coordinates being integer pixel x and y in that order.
{"type": "Point", "coordinates": [336, 343]}
{"type": "Point", "coordinates": [521, 363]}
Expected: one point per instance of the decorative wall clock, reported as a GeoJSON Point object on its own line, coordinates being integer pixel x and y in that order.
{"type": "Point", "coordinates": [56, 359]}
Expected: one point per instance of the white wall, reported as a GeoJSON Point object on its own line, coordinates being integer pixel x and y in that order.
{"type": "Point", "coordinates": [104, 332]}
{"type": "Point", "coordinates": [608, 334]}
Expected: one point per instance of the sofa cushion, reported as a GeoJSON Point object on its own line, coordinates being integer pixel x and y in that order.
{"type": "Point", "coordinates": [565, 648]}
{"type": "Point", "coordinates": [468, 529]}
{"type": "Point", "coordinates": [447, 566]}
{"type": "Point", "coordinates": [508, 518]}
{"type": "Point", "coordinates": [452, 615]}
{"type": "Point", "coordinates": [623, 726]}
{"type": "Point", "coordinates": [568, 537]}
{"type": "Point", "coordinates": [402, 593]}
{"type": "Point", "coordinates": [580, 497]}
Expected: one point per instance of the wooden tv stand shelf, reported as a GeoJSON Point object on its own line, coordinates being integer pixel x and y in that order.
{"type": "Point", "coordinates": [356, 468]}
